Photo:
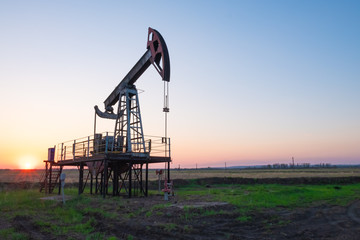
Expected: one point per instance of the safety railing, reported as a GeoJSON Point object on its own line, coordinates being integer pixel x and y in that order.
{"type": "Point", "coordinates": [101, 143]}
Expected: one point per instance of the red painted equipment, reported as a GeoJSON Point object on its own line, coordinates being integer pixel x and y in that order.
{"type": "Point", "coordinates": [168, 187]}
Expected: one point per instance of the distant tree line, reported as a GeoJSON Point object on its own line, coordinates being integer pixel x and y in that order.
{"type": "Point", "coordinates": [298, 165]}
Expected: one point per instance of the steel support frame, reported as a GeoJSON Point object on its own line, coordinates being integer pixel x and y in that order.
{"type": "Point", "coordinates": [129, 182]}
{"type": "Point", "coordinates": [128, 133]}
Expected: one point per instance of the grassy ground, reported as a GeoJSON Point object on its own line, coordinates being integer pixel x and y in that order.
{"type": "Point", "coordinates": [197, 208]}
{"type": "Point", "coordinates": [250, 197]}
{"type": "Point", "coordinates": [25, 216]}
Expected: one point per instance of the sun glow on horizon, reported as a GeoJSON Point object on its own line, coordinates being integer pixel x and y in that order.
{"type": "Point", "coordinates": [27, 162]}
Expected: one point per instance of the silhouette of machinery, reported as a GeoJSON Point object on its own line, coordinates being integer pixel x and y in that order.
{"type": "Point", "coordinates": [115, 161]}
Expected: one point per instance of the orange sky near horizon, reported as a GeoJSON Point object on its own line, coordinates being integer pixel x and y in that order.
{"type": "Point", "coordinates": [211, 152]}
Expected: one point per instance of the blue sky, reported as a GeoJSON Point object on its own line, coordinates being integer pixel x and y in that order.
{"type": "Point", "coordinates": [252, 82]}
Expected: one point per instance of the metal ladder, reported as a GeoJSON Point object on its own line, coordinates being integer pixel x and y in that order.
{"type": "Point", "coordinates": [50, 178]}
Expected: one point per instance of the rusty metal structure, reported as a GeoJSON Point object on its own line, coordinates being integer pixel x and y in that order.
{"type": "Point", "coordinates": [114, 162]}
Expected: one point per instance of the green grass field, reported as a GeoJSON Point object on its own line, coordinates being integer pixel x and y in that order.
{"type": "Point", "coordinates": [81, 216]}
{"type": "Point", "coordinates": [258, 196]}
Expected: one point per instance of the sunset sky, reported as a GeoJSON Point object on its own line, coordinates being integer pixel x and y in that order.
{"type": "Point", "coordinates": [252, 82]}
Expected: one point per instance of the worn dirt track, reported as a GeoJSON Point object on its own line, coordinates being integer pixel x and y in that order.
{"type": "Point", "coordinates": [322, 222]}
{"type": "Point", "coordinates": [317, 222]}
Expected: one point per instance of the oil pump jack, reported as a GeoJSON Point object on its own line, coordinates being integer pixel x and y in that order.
{"type": "Point", "coordinates": [119, 157]}
{"type": "Point", "coordinates": [128, 133]}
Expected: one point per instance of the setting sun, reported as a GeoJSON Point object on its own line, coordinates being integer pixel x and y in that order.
{"type": "Point", "coordinates": [27, 162]}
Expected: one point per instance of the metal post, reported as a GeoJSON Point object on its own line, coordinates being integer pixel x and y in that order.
{"type": "Point", "coordinates": [169, 148]}
{"type": "Point", "coordinates": [146, 179]}
{"type": "Point", "coordinates": [62, 184]}
{"type": "Point", "coordinates": [62, 149]}
{"type": "Point", "coordinates": [74, 150]}
{"type": "Point", "coordinates": [169, 162]}
{"type": "Point", "coordinates": [105, 185]}
{"type": "Point", "coordinates": [116, 179]}
{"type": "Point", "coordinates": [106, 143]}
{"type": "Point", "coordinates": [81, 177]}
{"type": "Point", "coordinates": [96, 183]}
{"type": "Point", "coordinates": [140, 123]}
{"type": "Point", "coordinates": [46, 177]}
{"type": "Point", "coordinates": [130, 180]}
{"type": "Point", "coordinates": [168, 173]}
{"type": "Point", "coordinates": [88, 147]}
{"type": "Point", "coordinates": [61, 168]}
{"type": "Point", "coordinates": [141, 179]}
{"type": "Point", "coordinates": [91, 183]}
{"type": "Point", "coordinates": [128, 131]}
{"type": "Point", "coordinates": [50, 176]}
{"type": "Point", "coordinates": [165, 134]}
{"type": "Point", "coordinates": [159, 181]}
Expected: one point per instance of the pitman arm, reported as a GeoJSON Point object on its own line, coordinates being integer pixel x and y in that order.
{"type": "Point", "coordinates": [129, 79]}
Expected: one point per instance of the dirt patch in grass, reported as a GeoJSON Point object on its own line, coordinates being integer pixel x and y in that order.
{"type": "Point", "coordinates": [320, 222]}
{"type": "Point", "coordinates": [25, 225]}
{"type": "Point", "coordinates": [199, 219]}
{"type": "Point", "coordinates": [57, 198]}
